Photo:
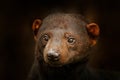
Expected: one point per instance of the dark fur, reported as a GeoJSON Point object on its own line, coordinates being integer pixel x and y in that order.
{"type": "Point", "coordinates": [75, 67]}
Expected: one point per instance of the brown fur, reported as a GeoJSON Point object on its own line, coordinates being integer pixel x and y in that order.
{"type": "Point", "coordinates": [61, 24]}
{"type": "Point", "coordinates": [61, 40]}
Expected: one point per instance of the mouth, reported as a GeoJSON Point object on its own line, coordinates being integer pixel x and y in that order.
{"type": "Point", "coordinates": [54, 64]}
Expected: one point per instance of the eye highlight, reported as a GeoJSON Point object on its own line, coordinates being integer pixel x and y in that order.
{"type": "Point", "coordinates": [71, 40]}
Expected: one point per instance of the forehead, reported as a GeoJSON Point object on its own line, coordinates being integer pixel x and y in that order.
{"type": "Point", "coordinates": [63, 22]}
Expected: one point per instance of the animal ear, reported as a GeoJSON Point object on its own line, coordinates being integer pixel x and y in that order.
{"type": "Point", "coordinates": [93, 32]}
{"type": "Point", "coordinates": [35, 27]}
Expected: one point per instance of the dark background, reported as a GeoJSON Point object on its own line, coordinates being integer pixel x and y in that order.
{"type": "Point", "coordinates": [16, 36]}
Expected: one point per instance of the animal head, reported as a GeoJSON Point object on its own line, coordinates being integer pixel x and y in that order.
{"type": "Point", "coordinates": [63, 38]}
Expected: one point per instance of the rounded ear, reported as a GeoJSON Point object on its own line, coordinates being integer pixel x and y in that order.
{"type": "Point", "coordinates": [35, 27]}
{"type": "Point", "coordinates": [93, 32]}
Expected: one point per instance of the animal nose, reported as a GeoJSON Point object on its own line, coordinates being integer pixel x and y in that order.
{"type": "Point", "coordinates": [53, 56]}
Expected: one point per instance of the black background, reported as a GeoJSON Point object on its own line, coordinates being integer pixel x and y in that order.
{"type": "Point", "coordinates": [16, 36]}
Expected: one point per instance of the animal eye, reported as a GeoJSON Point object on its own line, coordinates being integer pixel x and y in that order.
{"type": "Point", "coordinates": [45, 37]}
{"type": "Point", "coordinates": [71, 40]}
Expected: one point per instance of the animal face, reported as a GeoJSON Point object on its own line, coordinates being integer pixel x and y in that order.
{"type": "Point", "coordinates": [62, 39]}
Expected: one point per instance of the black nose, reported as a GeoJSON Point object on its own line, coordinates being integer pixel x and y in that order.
{"type": "Point", "coordinates": [53, 56]}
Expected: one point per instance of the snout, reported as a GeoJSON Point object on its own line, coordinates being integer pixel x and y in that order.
{"type": "Point", "coordinates": [53, 56]}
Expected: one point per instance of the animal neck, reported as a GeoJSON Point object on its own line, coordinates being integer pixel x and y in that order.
{"type": "Point", "coordinates": [64, 72]}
